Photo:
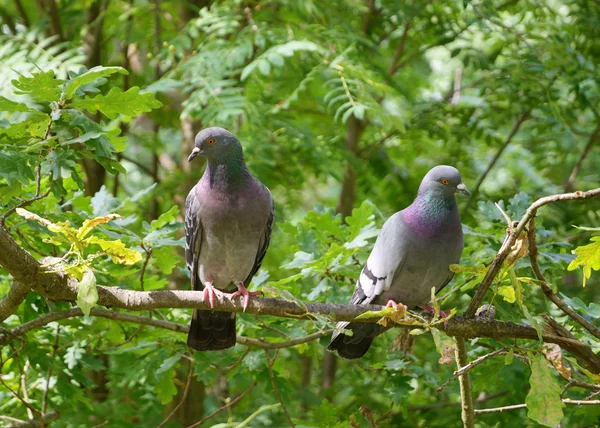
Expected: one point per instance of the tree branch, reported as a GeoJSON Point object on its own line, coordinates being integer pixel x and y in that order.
{"type": "Point", "coordinates": [513, 233]}
{"type": "Point", "coordinates": [225, 407]}
{"type": "Point", "coordinates": [464, 380]}
{"type": "Point", "coordinates": [570, 183]}
{"type": "Point", "coordinates": [11, 301]}
{"type": "Point", "coordinates": [524, 406]}
{"type": "Point", "coordinates": [522, 118]}
{"type": "Point", "coordinates": [33, 423]}
{"type": "Point", "coordinates": [533, 252]}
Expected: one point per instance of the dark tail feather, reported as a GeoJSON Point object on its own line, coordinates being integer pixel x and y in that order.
{"type": "Point", "coordinates": [211, 331]}
{"type": "Point", "coordinates": [357, 345]}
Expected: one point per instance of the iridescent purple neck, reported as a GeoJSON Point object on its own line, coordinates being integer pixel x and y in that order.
{"type": "Point", "coordinates": [431, 215]}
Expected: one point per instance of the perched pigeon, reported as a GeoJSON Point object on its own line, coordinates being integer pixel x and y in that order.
{"type": "Point", "coordinates": [228, 220]}
{"type": "Point", "coordinates": [412, 254]}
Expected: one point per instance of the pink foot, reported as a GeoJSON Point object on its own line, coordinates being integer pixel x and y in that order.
{"type": "Point", "coordinates": [391, 304]}
{"type": "Point", "coordinates": [243, 291]}
{"type": "Point", "coordinates": [430, 309]}
{"type": "Point", "coordinates": [210, 291]}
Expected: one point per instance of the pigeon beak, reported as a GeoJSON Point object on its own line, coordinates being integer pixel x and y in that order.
{"type": "Point", "coordinates": [194, 153]}
{"type": "Point", "coordinates": [461, 188]}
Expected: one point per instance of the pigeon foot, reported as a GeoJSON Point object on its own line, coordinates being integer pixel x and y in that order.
{"type": "Point", "coordinates": [430, 309]}
{"type": "Point", "coordinates": [243, 291]}
{"type": "Point", "coordinates": [391, 304]}
{"type": "Point", "coordinates": [210, 291]}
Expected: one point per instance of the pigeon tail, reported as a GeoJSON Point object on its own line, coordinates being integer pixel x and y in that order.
{"type": "Point", "coordinates": [211, 331]}
{"type": "Point", "coordinates": [357, 345]}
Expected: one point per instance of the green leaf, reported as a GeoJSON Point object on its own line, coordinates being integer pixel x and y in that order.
{"type": "Point", "coordinates": [40, 86]}
{"type": "Point", "coordinates": [165, 218]}
{"type": "Point", "coordinates": [168, 363]}
{"type": "Point", "coordinates": [88, 77]}
{"type": "Point", "coordinates": [13, 107]}
{"type": "Point", "coordinates": [588, 256]}
{"type": "Point", "coordinates": [543, 400]}
{"type": "Point", "coordinates": [165, 388]}
{"type": "Point", "coordinates": [14, 167]}
{"type": "Point", "coordinates": [508, 358]}
{"type": "Point", "coordinates": [87, 294]}
{"type": "Point", "coordinates": [116, 102]}
{"type": "Point", "coordinates": [165, 259]}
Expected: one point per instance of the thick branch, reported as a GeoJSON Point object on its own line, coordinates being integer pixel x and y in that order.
{"type": "Point", "coordinates": [513, 233]}
{"type": "Point", "coordinates": [464, 380]}
{"type": "Point", "coordinates": [41, 422]}
{"type": "Point", "coordinates": [548, 290]}
{"type": "Point", "coordinates": [15, 296]}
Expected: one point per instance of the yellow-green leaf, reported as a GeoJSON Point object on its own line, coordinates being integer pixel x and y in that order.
{"type": "Point", "coordinates": [508, 293]}
{"type": "Point", "coordinates": [89, 224]}
{"type": "Point", "coordinates": [117, 251]}
{"type": "Point", "coordinates": [588, 257]}
{"type": "Point", "coordinates": [543, 400]}
{"type": "Point", "coordinates": [87, 294]}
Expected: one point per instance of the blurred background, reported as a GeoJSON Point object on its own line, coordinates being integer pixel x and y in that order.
{"type": "Point", "coordinates": [341, 107]}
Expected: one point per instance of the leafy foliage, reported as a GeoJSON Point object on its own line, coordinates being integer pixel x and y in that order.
{"type": "Point", "coordinates": [424, 84]}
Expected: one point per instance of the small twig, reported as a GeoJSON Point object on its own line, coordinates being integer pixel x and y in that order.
{"type": "Point", "coordinates": [225, 407]}
{"type": "Point", "coordinates": [49, 374]}
{"type": "Point", "coordinates": [464, 380]}
{"type": "Point", "coordinates": [272, 376]}
{"type": "Point", "coordinates": [183, 397]}
{"type": "Point", "coordinates": [29, 407]}
{"type": "Point", "coordinates": [524, 406]}
{"type": "Point", "coordinates": [125, 342]}
{"type": "Point", "coordinates": [579, 384]}
{"type": "Point", "coordinates": [36, 197]}
{"type": "Point", "coordinates": [232, 365]}
{"type": "Point", "coordinates": [24, 389]}
{"type": "Point", "coordinates": [470, 366]}
{"type": "Point", "coordinates": [395, 66]}
{"type": "Point", "coordinates": [533, 252]}
{"type": "Point", "coordinates": [522, 118]}
{"type": "Point", "coordinates": [595, 394]}
{"type": "Point", "coordinates": [33, 423]}
{"type": "Point", "coordinates": [148, 252]}
{"type": "Point", "coordinates": [570, 183]}
{"type": "Point", "coordinates": [270, 327]}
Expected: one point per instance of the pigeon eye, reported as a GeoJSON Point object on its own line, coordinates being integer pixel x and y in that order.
{"type": "Point", "coordinates": [210, 141]}
{"type": "Point", "coordinates": [444, 181]}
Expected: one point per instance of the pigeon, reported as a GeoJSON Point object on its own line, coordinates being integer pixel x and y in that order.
{"type": "Point", "coordinates": [412, 253]}
{"type": "Point", "coordinates": [228, 221]}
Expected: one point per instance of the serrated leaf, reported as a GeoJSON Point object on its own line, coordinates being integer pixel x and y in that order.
{"type": "Point", "coordinates": [116, 102]}
{"type": "Point", "coordinates": [165, 388]}
{"type": "Point", "coordinates": [543, 400]}
{"type": "Point", "coordinates": [117, 250]}
{"type": "Point", "coordinates": [87, 294]}
{"type": "Point", "coordinates": [89, 76]}
{"type": "Point", "coordinates": [40, 86]}
{"type": "Point", "coordinates": [588, 257]}
{"type": "Point", "coordinates": [168, 363]}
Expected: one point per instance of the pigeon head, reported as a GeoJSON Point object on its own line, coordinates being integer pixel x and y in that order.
{"type": "Point", "coordinates": [443, 181]}
{"type": "Point", "coordinates": [216, 144]}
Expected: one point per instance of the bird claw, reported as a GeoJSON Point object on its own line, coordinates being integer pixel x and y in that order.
{"type": "Point", "coordinates": [391, 304]}
{"type": "Point", "coordinates": [243, 291]}
{"type": "Point", "coordinates": [210, 291]}
{"type": "Point", "coordinates": [443, 314]}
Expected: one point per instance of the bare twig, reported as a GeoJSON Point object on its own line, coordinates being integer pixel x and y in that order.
{"type": "Point", "coordinates": [225, 407]}
{"type": "Point", "coordinates": [148, 252]}
{"type": "Point", "coordinates": [533, 252]}
{"type": "Point", "coordinates": [471, 366]}
{"type": "Point", "coordinates": [523, 406]}
{"type": "Point", "coordinates": [25, 402]}
{"type": "Point", "coordinates": [272, 376]}
{"type": "Point", "coordinates": [511, 237]}
{"type": "Point", "coordinates": [464, 380]}
{"type": "Point", "coordinates": [522, 118]}
{"type": "Point", "coordinates": [570, 183]}
{"type": "Point", "coordinates": [125, 342]}
{"type": "Point", "coordinates": [183, 397]}
{"type": "Point", "coordinates": [24, 389]}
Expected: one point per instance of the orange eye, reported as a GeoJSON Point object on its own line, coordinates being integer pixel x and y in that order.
{"type": "Point", "coordinates": [210, 141]}
{"type": "Point", "coordinates": [444, 181]}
